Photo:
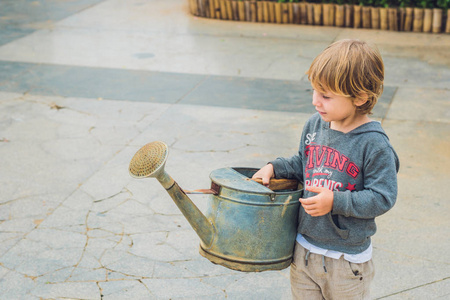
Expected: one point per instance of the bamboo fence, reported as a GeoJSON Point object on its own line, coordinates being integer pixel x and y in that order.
{"type": "Point", "coordinates": [415, 19]}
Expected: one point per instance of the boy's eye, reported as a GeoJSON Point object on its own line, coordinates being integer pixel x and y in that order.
{"type": "Point", "coordinates": [326, 97]}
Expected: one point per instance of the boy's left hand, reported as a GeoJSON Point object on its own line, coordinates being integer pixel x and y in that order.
{"type": "Point", "coordinates": [318, 205]}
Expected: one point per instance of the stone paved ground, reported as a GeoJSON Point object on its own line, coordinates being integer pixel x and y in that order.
{"type": "Point", "coordinates": [84, 84]}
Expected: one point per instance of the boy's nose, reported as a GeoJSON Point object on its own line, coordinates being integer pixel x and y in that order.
{"type": "Point", "coordinates": [315, 101]}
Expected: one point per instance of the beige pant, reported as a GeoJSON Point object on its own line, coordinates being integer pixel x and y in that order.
{"type": "Point", "coordinates": [342, 279]}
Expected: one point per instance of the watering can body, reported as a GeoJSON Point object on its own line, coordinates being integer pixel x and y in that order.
{"type": "Point", "coordinates": [254, 227]}
{"type": "Point", "coordinates": [247, 226]}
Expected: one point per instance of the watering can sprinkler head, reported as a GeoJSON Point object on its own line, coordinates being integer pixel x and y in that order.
{"type": "Point", "coordinates": [149, 161]}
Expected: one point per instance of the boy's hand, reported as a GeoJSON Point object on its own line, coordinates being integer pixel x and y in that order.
{"type": "Point", "coordinates": [318, 205]}
{"type": "Point", "coordinates": [265, 173]}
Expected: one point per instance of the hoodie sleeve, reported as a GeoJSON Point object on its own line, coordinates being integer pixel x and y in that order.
{"type": "Point", "coordinates": [291, 167]}
{"type": "Point", "coordinates": [380, 188]}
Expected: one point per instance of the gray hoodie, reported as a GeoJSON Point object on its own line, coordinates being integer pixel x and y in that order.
{"type": "Point", "coordinates": [360, 167]}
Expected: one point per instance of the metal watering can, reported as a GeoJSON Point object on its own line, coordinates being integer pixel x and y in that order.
{"type": "Point", "coordinates": [247, 226]}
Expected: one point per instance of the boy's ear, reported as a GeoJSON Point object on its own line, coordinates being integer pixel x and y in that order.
{"type": "Point", "coordinates": [361, 99]}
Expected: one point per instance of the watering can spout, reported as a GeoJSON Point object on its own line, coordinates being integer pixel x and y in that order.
{"type": "Point", "coordinates": [149, 161]}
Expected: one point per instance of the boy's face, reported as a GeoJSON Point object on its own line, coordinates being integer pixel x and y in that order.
{"type": "Point", "coordinates": [332, 107]}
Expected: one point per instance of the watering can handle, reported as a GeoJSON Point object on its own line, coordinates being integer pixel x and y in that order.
{"type": "Point", "coordinates": [274, 184]}
{"type": "Point", "coordinates": [280, 184]}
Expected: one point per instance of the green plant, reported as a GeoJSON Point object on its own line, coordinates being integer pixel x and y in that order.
{"type": "Point", "coordinates": [377, 3]}
{"type": "Point", "coordinates": [405, 3]}
{"type": "Point", "coordinates": [423, 3]}
{"type": "Point", "coordinates": [384, 3]}
{"type": "Point", "coordinates": [444, 4]}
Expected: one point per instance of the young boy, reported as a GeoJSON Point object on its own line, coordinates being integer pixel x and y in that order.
{"type": "Point", "coordinates": [349, 170]}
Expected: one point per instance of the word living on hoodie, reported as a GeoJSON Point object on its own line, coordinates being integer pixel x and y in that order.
{"type": "Point", "coordinates": [320, 160]}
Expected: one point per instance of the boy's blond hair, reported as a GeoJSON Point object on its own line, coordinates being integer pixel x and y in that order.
{"type": "Point", "coordinates": [349, 68]}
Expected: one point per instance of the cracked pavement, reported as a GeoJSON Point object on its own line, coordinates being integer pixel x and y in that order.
{"type": "Point", "coordinates": [84, 84]}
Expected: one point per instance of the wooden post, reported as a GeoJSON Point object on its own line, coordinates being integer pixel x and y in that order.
{"type": "Point", "coordinates": [212, 9]}
{"type": "Point", "coordinates": [247, 10]}
{"type": "Point", "coordinates": [290, 7]}
{"type": "Point", "coordinates": [326, 14]}
{"type": "Point", "coordinates": [285, 13]}
{"type": "Point", "coordinates": [241, 9]}
{"type": "Point", "coordinates": [278, 14]}
{"type": "Point", "coordinates": [348, 15]}
{"type": "Point", "coordinates": [408, 19]}
{"type": "Point", "coordinates": [252, 7]}
{"type": "Point", "coordinates": [365, 17]}
{"type": "Point", "coordinates": [271, 9]}
{"type": "Point", "coordinates": [193, 7]}
{"type": "Point", "coordinates": [375, 14]}
{"type": "Point", "coordinates": [265, 12]}
{"type": "Point", "coordinates": [437, 20]}
{"type": "Point", "coordinates": [402, 16]}
{"type": "Point", "coordinates": [447, 24]}
{"type": "Point", "coordinates": [204, 8]}
{"type": "Point", "coordinates": [223, 10]}
{"type": "Point", "coordinates": [260, 11]}
{"type": "Point", "coordinates": [296, 13]}
{"type": "Point", "coordinates": [218, 12]}
{"type": "Point", "coordinates": [418, 19]}
{"type": "Point", "coordinates": [393, 19]}
{"type": "Point", "coordinates": [332, 14]}
{"type": "Point", "coordinates": [356, 16]}
{"type": "Point", "coordinates": [229, 9]}
{"type": "Point", "coordinates": [427, 19]}
{"type": "Point", "coordinates": [310, 13]}
{"type": "Point", "coordinates": [340, 15]}
{"type": "Point", "coordinates": [318, 14]}
{"type": "Point", "coordinates": [384, 21]}
{"type": "Point", "coordinates": [303, 13]}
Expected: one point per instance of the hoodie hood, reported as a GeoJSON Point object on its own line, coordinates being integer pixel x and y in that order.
{"type": "Point", "coordinates": [372, 126]}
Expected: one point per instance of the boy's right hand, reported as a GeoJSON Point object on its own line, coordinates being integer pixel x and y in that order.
{"type": "Point", "coordinates": [265, 173]}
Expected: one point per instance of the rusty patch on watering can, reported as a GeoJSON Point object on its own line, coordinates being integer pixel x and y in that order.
{"type": "Point", "coordinates": [285, 205]}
